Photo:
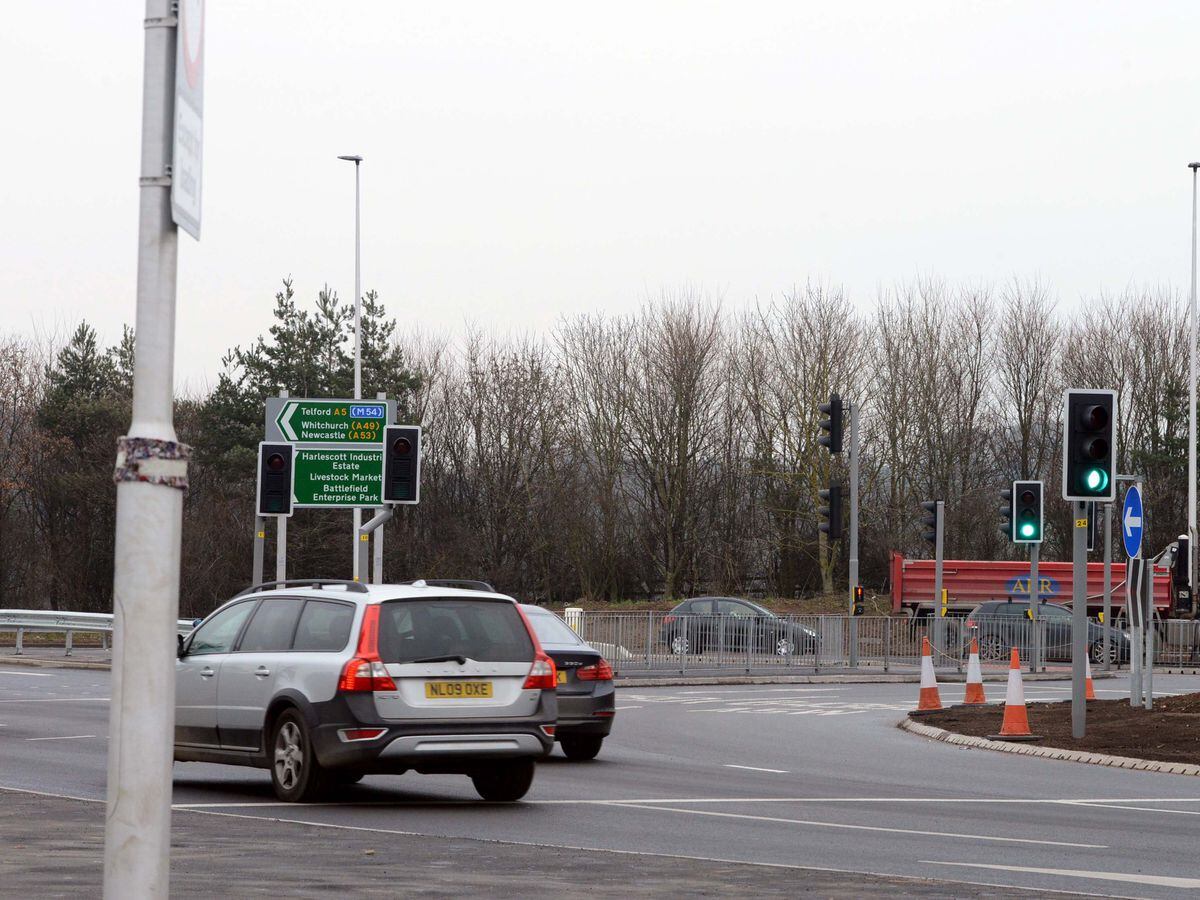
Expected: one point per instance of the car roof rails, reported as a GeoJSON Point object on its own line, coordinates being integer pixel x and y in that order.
{"type": "Point", "coordinates": [318, 583]}
{"type": "Point", "coordinates": [466, 584]}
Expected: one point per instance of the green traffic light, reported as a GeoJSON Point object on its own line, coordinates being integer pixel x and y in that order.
{"type": "Point", "coordinates": [1095, 480]}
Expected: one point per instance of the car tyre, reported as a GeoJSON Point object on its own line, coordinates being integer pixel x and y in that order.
{"type": "Point", "coordinates": [680, 645]}
{"type": "Point", "coordinates": [506, 781]}
{"type": "Point", "coordinates": [1096, 652]}
{"type": "Point", "coordinates": [296, 774]}
{"type": "Point", "coordinates": [581, 746]}
{"type": "Point", "coordinates": [785, 647]}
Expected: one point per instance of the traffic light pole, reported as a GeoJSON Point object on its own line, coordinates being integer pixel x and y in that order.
{"type": "Point", "coordinates": [1035, 606]}
{"type": "Point", "coordinates": [364, 541]}
{"type": "Point", "coordinates": [853, 501]}
{"type": "Point", "coordinates": [1079, 622]}
{"type": "Point", "coordinates": [260, 540]}
{"type": "Point", "coordinates": [937, 566]}
{"type": "Point", "coordinates": [1107, 582]}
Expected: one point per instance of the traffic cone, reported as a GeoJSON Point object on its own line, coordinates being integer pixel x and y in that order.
{"type": "Point", "coordinates": [1015, 726]}
{"type": "Point", "coordinates": [930, 700]}
{"type": "Point", "coordinates": [1091, 691]}
{"type": "Point", "coordinates": [974, 693]}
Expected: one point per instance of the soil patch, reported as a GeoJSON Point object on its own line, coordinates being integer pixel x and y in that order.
{"type": "Point", "coordinates": [1168, 733]}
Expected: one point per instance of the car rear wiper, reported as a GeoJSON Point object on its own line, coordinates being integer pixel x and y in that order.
{"type": "Point", "coordinates": [450, 657]}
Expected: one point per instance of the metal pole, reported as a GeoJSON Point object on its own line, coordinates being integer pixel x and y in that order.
{"type": "Point", "coordinates": [1148, 619]}
{"type": "Point", "coordinates": [1107, 583]}
{"type": "Point", "coordinates": [377, 539]}
{"type": "Point", "coordinates": [937, 569]}
{"type": "Point", "coordinates": [149, 517]}
{"type": "Point", "coordinates": [357, 557]}
{"type": "Point", "coordinates": [853, 499]}
{"type": "Point", "coordinates": [1035, 605]}
{"type": "Point", "coordinates": [1192, 403]}
{"type": "Point", "coordinates": [1133, 610]}
{"type": "Point", "coordinates": [260, 540]}
{"type": "Point", "coordinates": [1079, 622]}
{"type": "Point", "coordinates": [281, 548]}
{"type": "Point", "coordinates": [853, 531]}
{"type": "Point", "coordinates": [364, 536]}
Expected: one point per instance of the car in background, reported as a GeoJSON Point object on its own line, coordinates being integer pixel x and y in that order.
{"type": "Point", "coordinates": [586, 695]}
{"type": "Point", "coordinates": [1003, 624]}
{"type": "Point", "coordinates": [323, 682]}
{"type": "Point", "coordinates": [704, 624]}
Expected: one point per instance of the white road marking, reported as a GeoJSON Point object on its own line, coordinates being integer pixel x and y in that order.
{"type": "Point", "coordinates": [67, 737]}
{"type": "Point", "coordinates": [842, 825]}
{"type": "Point", "coordinates": [26, 674]}
{"type": "Point", "coordinates": [1178, 812]}
{"type": "Point", "coordinates": [628, 707]}
{"type": "Point", "coordinates": [778, 690]}
{"type": "Point", "coordinates": [756, 769]}
{"type": "Point", "coordinates": [1129, 877]}
{"type": "Point", "coordinates": [695, 800]}
{"type": "Point", "coordinates": [60, 700]}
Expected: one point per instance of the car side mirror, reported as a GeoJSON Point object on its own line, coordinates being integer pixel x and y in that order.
{"type": "Point", "coordinates": [179, 651]}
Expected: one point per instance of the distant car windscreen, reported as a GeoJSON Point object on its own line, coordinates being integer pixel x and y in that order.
{"type": "Point", "coordinates": [550, 629]}
{"type": "Point", "coordinates": [483, 630]}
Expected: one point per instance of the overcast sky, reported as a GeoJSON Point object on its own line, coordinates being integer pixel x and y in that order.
{"type": "Point", "coordinates": [529, 160]}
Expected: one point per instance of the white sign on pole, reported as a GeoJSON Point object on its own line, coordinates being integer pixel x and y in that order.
{"type": "Point", "coordinates": [188, 144]}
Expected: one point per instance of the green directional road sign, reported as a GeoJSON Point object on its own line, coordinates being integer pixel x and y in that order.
{"type": "Point", "coordinates": [339, 422]}
{"type": "Point", "coordinates": [338, 477]}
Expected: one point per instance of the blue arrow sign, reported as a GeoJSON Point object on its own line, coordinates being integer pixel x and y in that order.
{"type": "Point", "coordinates": [1131, 522]}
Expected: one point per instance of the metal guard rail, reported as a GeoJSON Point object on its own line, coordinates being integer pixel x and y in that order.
{"type": "Point", "coordinates": [44, 621]}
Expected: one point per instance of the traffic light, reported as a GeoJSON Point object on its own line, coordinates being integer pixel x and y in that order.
{"type": "Point", "coordinates": [833, 425]}
{"type": "Point", "coordinates": [1027, 512]}
{"type": "Point", "coordinates": [1006, 514]}
{"type": "Point", "coordinates": [859, 606]}
{"type": "Point", "coordinates": [1089, 454]}
{"type": "Point", "coordinates": [930, 521]}
{"type": "Point", "coordinates": [831, 512]}
{"type": "Point", "coordinates": [276, 474]}
{"type": "Point", "coordinates": [402, 464]}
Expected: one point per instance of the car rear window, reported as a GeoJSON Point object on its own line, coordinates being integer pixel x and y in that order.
{"type": "Point", "coordinates": [483, 630]}
{"type": "Point", "coordinates": [550, 629]}
{"type": "Point", "coordinates": [324, 626]}
{"type": "Point", "coordinates": [271, 628]}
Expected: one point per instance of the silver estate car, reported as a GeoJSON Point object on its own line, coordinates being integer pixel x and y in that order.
{"type": "Point", "coordinates": [323, 682]}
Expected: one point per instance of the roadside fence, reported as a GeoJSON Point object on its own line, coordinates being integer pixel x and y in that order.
{"type": "Point", "coordinates": [68, 624]}
{"type": "Point", "coordinates": [665, 642]}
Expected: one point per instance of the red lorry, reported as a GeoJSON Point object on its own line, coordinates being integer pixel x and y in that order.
{"type": "Point", "coordinates": [969, 582]}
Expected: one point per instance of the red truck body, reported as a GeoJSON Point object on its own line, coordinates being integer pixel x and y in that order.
{"type": "Point", "coordinates": [969, 582]}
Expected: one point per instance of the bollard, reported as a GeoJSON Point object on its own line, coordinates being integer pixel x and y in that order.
{"type": "Point", "coordinates": [69, 635]}
{"type": "Point", "coordinates": [20, 641]}
{"type": "Point", "coordinates": [573, 615]}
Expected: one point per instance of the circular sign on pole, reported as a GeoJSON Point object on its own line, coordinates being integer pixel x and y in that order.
{"type": "Point", "coordinates": [1131, 522]}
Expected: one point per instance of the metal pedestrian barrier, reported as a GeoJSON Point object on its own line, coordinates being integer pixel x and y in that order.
{"type": "Point", "coordinates": [701, 644]}
{"type": "Point", "coordinates": [41, 621]}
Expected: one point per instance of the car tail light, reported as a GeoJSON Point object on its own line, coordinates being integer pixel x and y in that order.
{"type": "Point", "coordinates": [601, 671]}
{"type": "Point", "coordinates": [366, 672]}
{"type": "Point", "coordinates": [970, 623]}
{"type": "Point", "coordinates": [668, 619]}
{"type": "Point", "coordinates": [548, 730]}
{"type": "Point", "coordinates": [542, 676]}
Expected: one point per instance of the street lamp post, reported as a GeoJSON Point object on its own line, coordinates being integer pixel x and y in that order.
{"type": "Point", "coordinates": [357, 160]}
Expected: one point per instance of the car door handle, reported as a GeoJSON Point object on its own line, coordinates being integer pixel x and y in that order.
{"type": "Point", "coordinates": [207, 673]}
{"type": "Point", "coordinates": [262, 671]}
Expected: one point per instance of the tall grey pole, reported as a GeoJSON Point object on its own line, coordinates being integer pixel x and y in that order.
{"type": "Point", "coordinates": [377, 538]}
{"type": "Point", "coordinates": [281, 548]}
{"type": "Point", "coordinates": [357, 160]}
{"type": "Point", "coordinates": [260, 540]}
{"type": "Point", "coordinates": [1107, 584]}
{"type": "Point", "coordinates": [1079, 622]}
{"type": "Point", "coordinates": [137, 828]}
{"type": "Point", "coordinates": [1035, 606]}
{"type": "Point", "coordinates": [937, 571]}
{"type": "Point", "coordinates": [1133, 611]}
{"type": "Point", "coordinates": [1148, 630]}
{"type": "Point", "coordinates": [853, 499]}
{"type": "Point", "coordinates": [1192, 403]}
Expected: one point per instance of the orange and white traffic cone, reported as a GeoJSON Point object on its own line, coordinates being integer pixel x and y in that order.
{"type": "Point", "coordinates": [1091, 691]}
{"type": "Point", "coordinates": [974, 693]}
{"type": "Point", "coordinates": [1015, 726]}
{"type": "Point", "coordinates": [930, 700]}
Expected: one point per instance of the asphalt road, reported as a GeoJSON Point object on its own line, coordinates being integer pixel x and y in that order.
{"type": "Point", "coordinates": [796, 775]}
